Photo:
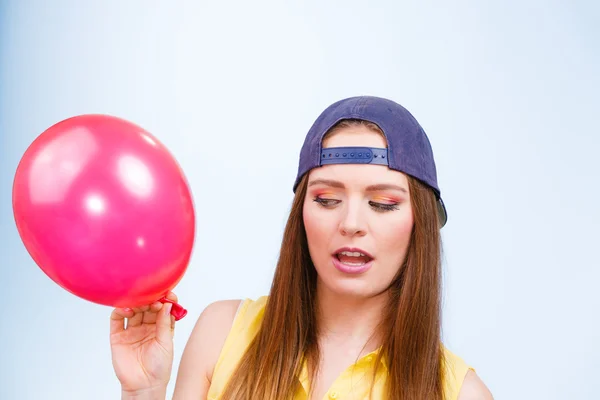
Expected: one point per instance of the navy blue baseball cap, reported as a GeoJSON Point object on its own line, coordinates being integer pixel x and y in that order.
{"type": "Point", "coordinates": [408, 147]}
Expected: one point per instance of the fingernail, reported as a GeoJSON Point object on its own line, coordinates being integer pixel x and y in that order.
{"type": "Point", "coordinates": [127, 309]}
{"type": "Point", "coordinates": [169, 306]}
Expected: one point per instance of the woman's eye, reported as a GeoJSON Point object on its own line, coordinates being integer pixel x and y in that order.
{"type": "Point", "coordinates": [326, 202]}
{"type": "Point", "coordinates": [379, 207]}
{"type": "Point", "coordinates": [383, 207]}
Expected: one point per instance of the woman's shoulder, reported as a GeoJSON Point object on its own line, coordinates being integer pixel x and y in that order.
{"type": "Point", "coordinates": [225, 313]}
{"type": "Point", "coordinates": [244, 322]}
{"type": "Point", "coordinates": [203, 347]}
{"type": "Point", "coordinates": [455, 364]}
{"type": "Point", "coordinates": [230, 322]}
{"type": "Point", "coordinates": [460, 379]}
{"type": "Point", "coordinates": [221, 317]}
{"type": "Point", "coordinates": [235, 324]}
{"type": "Point", "coordinates": [215, 321]}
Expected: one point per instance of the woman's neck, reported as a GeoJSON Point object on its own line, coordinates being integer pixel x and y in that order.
{"type": "Point", "coordinates": [349, 319]}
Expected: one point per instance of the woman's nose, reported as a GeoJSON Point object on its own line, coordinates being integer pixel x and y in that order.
{"type": "Point", "coordinates": [352, 222]}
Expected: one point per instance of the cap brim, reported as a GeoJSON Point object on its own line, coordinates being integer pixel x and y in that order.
{"type": "Point", "coordinates": [442, 214]}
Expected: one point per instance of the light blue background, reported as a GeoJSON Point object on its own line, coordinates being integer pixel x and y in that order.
{"type": "Point", "coordinates": [507, 91]}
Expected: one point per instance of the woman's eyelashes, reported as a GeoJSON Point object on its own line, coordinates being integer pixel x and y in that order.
{"type": "Point", "coordinates": [381, 205]}
{"type": "Point", "coordinates": [326, 202]}
{"type": "Point", "coordinates": [384, 203]}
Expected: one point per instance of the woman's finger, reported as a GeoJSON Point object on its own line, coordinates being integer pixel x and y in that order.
{"type": "Point", "coordinates": [117, 319]}
{"type": "Point", "coordinates": [172, 296]}
{"type": "Point", "coordinates": [150, 316]}
{"type": "Point", "coordinates": [156, 306]}
{"type": "Point", "coordinates": [146, 314]}
{"type": "Point", "coordinates": [135, 320]}
{"type": "Point", "coordinates": [141, 309]}
{"type": "Point", "coordinates": [164, 332]}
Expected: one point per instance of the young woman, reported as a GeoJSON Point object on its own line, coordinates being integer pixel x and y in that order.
{"type": "Point", "coordinates": [354, 308]}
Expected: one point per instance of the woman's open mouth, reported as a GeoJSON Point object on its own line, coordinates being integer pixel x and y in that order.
{"type": "Point", "coordinates": [352, 261]}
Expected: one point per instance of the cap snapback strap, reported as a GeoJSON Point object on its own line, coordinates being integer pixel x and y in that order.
{"type": "Point", "coordinates": [354, 155]}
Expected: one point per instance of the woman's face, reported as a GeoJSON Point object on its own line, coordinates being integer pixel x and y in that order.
{"type": "Point", "coordinates": [358, 219]}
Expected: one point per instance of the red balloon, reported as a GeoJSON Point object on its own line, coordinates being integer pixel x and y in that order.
{"type": "Point", "coordinates": [105, 211]}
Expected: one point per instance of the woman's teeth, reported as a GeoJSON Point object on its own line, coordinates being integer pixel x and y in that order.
{"type": "Point", "coordinates": [353, 258]}
{"type": "Point", "coordinates": [352, 253]}
{"type": "Point", "coordinates": [353, 264]}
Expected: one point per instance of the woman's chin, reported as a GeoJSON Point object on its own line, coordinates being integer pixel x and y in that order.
{"type": "Point", "coordinates": [359, 288]}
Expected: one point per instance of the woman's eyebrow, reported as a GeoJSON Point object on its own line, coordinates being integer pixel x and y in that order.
{"type": "Point", "coordinates": [327, 182]}
{"type": "Point", "coordinates": [385, 186]}
{"type": "Point", "coordinates": [370, 188]}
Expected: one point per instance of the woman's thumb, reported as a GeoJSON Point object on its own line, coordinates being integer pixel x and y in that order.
{"type": "Point", "coordinates": [164, 332]}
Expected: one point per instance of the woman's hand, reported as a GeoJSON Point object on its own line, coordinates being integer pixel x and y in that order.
{"type": "Point", "coordinates": [142, 351]}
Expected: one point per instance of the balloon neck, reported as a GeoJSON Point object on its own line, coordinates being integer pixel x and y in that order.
{"type": "Point", "coordinates": [176, 310]}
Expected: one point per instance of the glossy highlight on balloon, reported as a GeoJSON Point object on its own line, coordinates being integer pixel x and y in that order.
{"type": "Point", "coordinates": [105, 211]}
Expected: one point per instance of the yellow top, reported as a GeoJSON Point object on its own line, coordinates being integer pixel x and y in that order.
{"type": "Point", "coordinates": [247, 323]}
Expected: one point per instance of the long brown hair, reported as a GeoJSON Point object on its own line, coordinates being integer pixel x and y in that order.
{"type": "Point", "coordinates": [410, 326]}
